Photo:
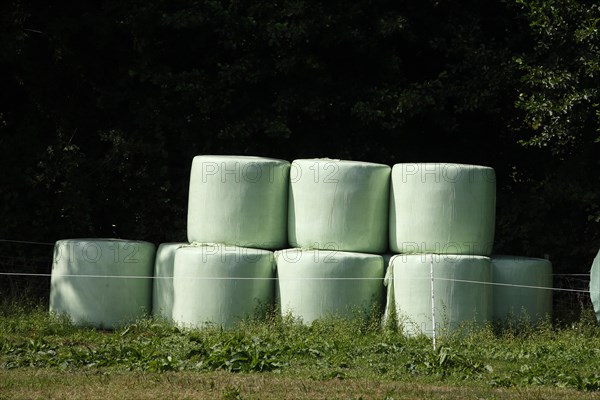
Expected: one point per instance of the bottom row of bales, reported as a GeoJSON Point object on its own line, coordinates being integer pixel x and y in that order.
{"type": "Point", "coordinates": [204, 284]}
{"type": "Point", "coordinates": [108, 283]}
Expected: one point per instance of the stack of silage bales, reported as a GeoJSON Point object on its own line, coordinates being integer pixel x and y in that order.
{"type": "Point", "coordinates": [441, 214]}
{"type": "Point", "coordinates": [104, 283]}
{"type": "Point", "coordinates": [340, 216]}
{"type": "Point", "coordinates": [236, 215]}
{"type": "Point", "coordinates": [338, 212]}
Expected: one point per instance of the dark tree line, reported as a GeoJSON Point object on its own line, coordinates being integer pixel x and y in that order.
{"type": "Point", "coordinates": [105, 103]}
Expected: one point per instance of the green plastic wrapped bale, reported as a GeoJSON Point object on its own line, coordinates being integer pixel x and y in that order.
{"type": "Point", "coordinates": [316, 283]}
{"type": "Point", "coordinates": [103, 283]}
{"type": "Point", "coordinates": [595, 285]}
{"type": "Point", "coordinates": [238, 200]}
{"type": "Point", "coordinates": [339, 205]}
{"type": "Point", "coordinates": [462, 291]}
{"type": "Point", "coordinates": [221, 285]}
{"type": "Point", "coordinates": [442, 208]}
{"type": "Point", "coordinates": [511, 301]}
{"type": "Point", "coordinates": [162, 290]}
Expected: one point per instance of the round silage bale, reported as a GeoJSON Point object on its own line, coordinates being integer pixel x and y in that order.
{"type": "Point", "coordinates": [238, 200]}
{"type": "Point", "coordinates": [442, 208]}
{"type": "Point", "coordinates": [595, 285]}
{"type": "Point", "coordinates": [317, 283]}
{"type": "Point", "coordinates": [339, 205]}
{"type": "Point", "coordinates": [519, 288]}
{"type": "Point", "coordinates": [462, 291]}
{"type": "Point", "coordinates": [162, 289]}
{"type": "Point", "coordinates": [104, 283]}
{"type": "Point", "coordinates": [221, 285]}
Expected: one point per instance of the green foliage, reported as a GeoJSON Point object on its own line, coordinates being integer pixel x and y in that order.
{"type": "Point", "coordinates": [559, 93]}
{"type": "Point", "coordinates": [238, 353]}
{"type": "Point", "coordinates": [443, 363]}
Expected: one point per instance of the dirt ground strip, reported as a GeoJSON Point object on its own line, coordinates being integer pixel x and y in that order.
{"type": "Point", "coordinates": [53, 384]}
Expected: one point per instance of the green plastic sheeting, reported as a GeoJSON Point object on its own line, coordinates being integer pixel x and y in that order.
{"type": "Point", "coordinates": [221, 285]}
{"type": "Point", "coordinates": [104, 283]}
{"type": "Point", "coordinates": [238, 200]}
{"type": "Point", "coordinates": [317, 283]}
{"type": "Point", "coordinates": [511, 301]}
{"type": "Point", "coordinates": [595, 285]}
{"type": "Point", "coordinates": [442, 208]}
{"type": "Point", "coordinates": [462, 290]}
{"type": "Point", "coordinates": [162, 289]}
{"type": "Point", "coordinates": [339, 205]}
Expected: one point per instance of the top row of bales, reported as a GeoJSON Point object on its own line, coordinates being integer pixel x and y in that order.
{"type": "Point", "coordinates": [341, 205]}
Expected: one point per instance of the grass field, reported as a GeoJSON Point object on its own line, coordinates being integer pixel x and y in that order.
{"type": "Point", "coordinates": [42, 356]}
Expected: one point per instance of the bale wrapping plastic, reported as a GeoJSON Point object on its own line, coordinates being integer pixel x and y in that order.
{"type": "Point", "coordinates": [238, 200]}
{"type": "Point", "coordinates": [462, 291]}
{"type": "Point", "coordinates": [221, 285]}
{"type": "Point", "coordinates": [339, 205]}
{"type": "Point", "coordinates": [104, 283]}
{"type": "Point", "coordinates": [162, 289]}
{"type": "Point", "coordinates": [385, 300]}
{"type": "Point", "coordinates": [442, 208]}
{"type": "Point", "coordinates": [316, 283]}
{"type": "Point", "coordinates": [595, 285]}
{"type": "Point", "coordinates": [509, 300]}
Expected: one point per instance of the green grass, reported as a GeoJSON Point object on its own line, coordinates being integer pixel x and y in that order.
{"type": "Point", "coordinates": [281, 353]}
